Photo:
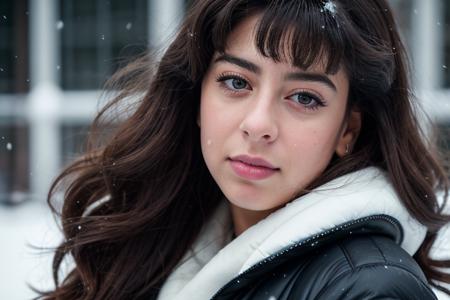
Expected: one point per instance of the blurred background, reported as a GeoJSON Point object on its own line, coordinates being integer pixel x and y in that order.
{"type": "Point", "coordinates": [54, 58]}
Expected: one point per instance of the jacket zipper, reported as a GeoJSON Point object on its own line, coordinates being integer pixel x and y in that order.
{"type": "Point", "coordinates": [236, 280]}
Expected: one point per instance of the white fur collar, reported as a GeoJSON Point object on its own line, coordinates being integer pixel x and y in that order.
{"type": "Point", "coordinates": [356, 195]}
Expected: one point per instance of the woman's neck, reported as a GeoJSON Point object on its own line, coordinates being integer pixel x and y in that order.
{"type": "Point", "coordinates": [244, 218]}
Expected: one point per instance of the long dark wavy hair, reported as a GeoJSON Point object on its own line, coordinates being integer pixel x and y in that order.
{"type": "Point", "coordinates": [137, 199]}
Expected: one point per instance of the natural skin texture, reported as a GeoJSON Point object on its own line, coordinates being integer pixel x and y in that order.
{"type": "Point", "coordinates": [268, 111]}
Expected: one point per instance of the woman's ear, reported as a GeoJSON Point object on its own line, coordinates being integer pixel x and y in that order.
{"type": "Point", "coordinates": [349, 134]}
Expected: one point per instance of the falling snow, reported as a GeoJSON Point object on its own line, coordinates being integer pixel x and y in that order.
{"type": "Point", "coordinates": [59, 25]}
{"type": "Point", "coordinates": [9, 146]}
{"type": "Point", "coordinates": [330, 6]}
{"type": "Point", "coordinates": [129, 25]}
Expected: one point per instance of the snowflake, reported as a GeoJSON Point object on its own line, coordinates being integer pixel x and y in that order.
{"type": "Point", "coordinates": [330, 6]}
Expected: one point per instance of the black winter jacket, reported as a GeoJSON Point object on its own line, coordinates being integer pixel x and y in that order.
{"type": "Point", "coordinates": [357, 260]}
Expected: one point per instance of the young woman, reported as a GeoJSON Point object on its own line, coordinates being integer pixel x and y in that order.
{"type": "Point", "coordinates": [274, 154]}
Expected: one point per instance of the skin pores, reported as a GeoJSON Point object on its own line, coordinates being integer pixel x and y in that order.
{"type": "Point", "coordinates": [255, 108]}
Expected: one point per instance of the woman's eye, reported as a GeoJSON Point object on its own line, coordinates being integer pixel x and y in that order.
{"type": "Point", "coordinates": [307, 100]}
{"type": "Point", "coordinates": [237, 83]}
{"type": "Point", "coordinates": [234, 82]}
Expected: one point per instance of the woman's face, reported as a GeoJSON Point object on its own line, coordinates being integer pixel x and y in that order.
{"type": "Point", "coordinates": [267, 128]}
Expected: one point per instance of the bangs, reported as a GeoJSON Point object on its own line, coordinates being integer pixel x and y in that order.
{"type": "Point", "coordinates": [302, 33]}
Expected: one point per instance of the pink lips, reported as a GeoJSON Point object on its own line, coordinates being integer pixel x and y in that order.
{"type": "Point", "coordinates": [252, 168]}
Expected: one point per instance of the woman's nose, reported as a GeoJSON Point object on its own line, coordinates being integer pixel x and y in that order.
{"type": "Point", "coordinates": [259, 124]}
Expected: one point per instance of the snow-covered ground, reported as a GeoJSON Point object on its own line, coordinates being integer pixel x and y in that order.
{"type": "Point", "coordinates": [23, 228]}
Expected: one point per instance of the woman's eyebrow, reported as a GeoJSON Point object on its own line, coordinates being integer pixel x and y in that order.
{"type": "Point", "coordinates": [306, 76]}
{"type": "Point", "coordinates": [243, 63]}
{"type": "Point", "coordinates": [248, 65]}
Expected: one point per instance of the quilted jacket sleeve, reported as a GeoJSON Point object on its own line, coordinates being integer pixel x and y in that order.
{"type": "Point", "coordinates": [379, 281]}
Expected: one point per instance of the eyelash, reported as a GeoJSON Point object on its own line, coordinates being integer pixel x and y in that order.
{"type": "Point", "coordinates": [222, 78]}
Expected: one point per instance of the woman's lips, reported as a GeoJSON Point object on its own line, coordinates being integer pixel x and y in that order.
{"type": "Point", "coordinates": [243, 168]}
